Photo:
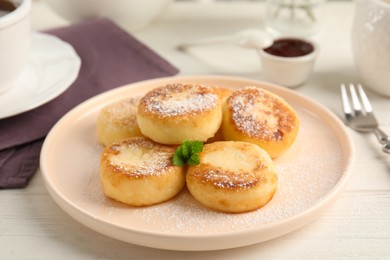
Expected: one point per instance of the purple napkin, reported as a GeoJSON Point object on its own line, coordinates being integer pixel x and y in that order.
{"type": "Point", "coordinates": [110, 58]}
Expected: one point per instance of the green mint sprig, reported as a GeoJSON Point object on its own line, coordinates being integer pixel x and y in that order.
{"type": "Point", "coordinates": [188, 153]}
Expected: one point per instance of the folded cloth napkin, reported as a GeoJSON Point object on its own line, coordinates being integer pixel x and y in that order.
{"type": "Point", "coordinates": [110, 58]}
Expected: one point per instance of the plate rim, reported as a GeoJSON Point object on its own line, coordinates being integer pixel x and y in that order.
{"type": "Point", "coordinates": [304, 217]}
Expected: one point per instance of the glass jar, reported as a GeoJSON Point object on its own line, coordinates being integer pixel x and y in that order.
{"type": "Point", "coordinates": [299, 18]}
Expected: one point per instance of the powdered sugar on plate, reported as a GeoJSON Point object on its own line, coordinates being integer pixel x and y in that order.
{"type": "Point", "coordinates": [311, 173]}
{"type": "Point", "coordinates": [307, 172]}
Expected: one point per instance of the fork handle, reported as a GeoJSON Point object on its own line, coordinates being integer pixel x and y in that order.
{"type": "Point", "coordinates": [382, 137]}
{"type": "Point", "coordinates": [386, 148]}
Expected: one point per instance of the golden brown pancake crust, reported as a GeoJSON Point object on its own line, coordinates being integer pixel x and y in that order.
{"type": "Point", "coordinates": [258, 116]}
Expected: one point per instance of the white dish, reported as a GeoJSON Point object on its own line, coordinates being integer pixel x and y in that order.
{"type": "Point", "coordinates": [312, 173]}
{"type": "Point", "coordinates": [52, 67]}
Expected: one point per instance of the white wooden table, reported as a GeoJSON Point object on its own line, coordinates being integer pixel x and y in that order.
{"type": "Point", "coordinates": [357, 226]}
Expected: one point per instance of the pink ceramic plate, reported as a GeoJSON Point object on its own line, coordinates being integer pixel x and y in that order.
{"type": "Point", "coordinates": [312, 174]}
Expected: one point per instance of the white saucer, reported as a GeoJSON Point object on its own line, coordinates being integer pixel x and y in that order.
{"type": "Point", "coordinates": [53, 65]}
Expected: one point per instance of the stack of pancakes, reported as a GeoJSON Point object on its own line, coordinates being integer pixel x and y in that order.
{"type": "Point", "coordinates": [242, 130]}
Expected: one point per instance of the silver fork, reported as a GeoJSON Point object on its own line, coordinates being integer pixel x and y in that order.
{"type": "Point", "coordinates": [360, 115]}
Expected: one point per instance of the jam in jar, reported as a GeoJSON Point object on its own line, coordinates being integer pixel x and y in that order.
{"type": "Point", "coordinates": [290, 47]}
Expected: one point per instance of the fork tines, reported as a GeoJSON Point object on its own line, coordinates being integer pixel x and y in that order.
{"type": "Point", "coordinates": [356, 96]}
{"type": "Point", "coordinates": [360, 115]}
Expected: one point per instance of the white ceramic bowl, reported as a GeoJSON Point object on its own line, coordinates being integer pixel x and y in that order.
{"type": "Point", "coordinates": [130, 14]}
{"type": "Point", "coordinates": [288, 71]}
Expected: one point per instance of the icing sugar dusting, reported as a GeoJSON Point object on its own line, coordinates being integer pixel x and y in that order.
{"type": "Point", "coordinates": [179, 99]}
{"type": "Point", "coordinates": [306, 176]}
{"type": "Point", "coordinates": [139, 157]}
{"type": "Point", "coordinates": [258, 113]}
{"type": "Point", "coordinates": [122, 112]}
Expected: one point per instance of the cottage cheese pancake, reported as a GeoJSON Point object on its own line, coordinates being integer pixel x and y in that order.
{"type": "Point", "coordinates": [233, 177]}
{"type": "Point", "coordinates": [175, 113]}
{"type": "Point", "coordinates": [260, 117]}
{"type": "Point", "coordinates": [118, 121]}
{"type": "Point", "coordinates": [139, 172]}
{"type": "Point", "coordinates": [223, 93]}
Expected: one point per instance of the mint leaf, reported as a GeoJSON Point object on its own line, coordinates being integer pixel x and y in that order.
{"type": "Point", "coordinates": [186, 150]}
{"type": "Point", "coordinates": [178, 161]}
{"type": "Point", "coordinates": [196, 147]}
{"type": "Point", "coordinates": [188, 153]}
{"type": "Point", "coordinates": [178, 157]}
{"type": "Point", "coordinates": [194, 160]}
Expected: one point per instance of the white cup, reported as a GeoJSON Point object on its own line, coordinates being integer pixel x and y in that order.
{"type": "Point", "coordinates": [288, 71]}
{"type": "Point", "coordinates": [15, 33]}
{"type": "Point", "coordinates": [371, 43]}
